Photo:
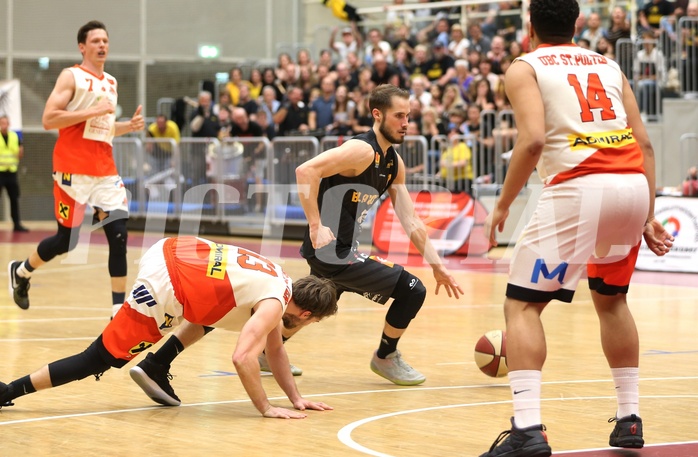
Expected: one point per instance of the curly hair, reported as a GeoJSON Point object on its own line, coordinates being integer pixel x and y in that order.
{"type": "Point", "coordinates": [317, 295]}
{"type": "Point", "coordinates": [553, 20]}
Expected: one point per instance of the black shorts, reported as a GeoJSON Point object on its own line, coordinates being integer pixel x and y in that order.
{"type": "Point", "coordinates": [373, 277]}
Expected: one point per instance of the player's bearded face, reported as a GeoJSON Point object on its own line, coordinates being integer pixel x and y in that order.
{"type": "Point", "coordinates": [390, 133]}
{"type": "Point", "coordinates": [290, 321]}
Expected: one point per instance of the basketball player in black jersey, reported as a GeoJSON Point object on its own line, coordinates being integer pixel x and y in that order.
{"type": "Point", "coordinates": [336, 189]}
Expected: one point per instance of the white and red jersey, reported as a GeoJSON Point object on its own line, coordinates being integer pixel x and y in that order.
{"type": "Point", "coordinates": [86, 148]}
{"type": "Point", "coordinates": [218, 284]}
{"type": "Point", "coordinates": [586, 125]}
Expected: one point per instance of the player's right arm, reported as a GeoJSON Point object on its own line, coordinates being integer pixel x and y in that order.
{"type": "Point", "coordinates": [349, 159]}
{"type": "Point", "coordinates": [55, 114]}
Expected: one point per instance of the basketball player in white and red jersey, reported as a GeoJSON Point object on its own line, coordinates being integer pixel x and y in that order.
{"type": "Point", "coordinates": [81, 106]}
{"type": "Point", "coordinates": [579, 125]}
{"type": "Point", "coordinates": [189, 283]}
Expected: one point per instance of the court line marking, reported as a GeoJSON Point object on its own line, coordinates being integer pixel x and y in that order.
{"type": "Point", "coordinates": [336, 394]}
{"type": "Point", "coordinates": [678, 443]}
{"type": "Point", "coordinates": [344, 434]}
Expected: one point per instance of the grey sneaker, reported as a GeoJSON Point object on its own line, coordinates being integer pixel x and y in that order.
{"type": "Point", "coordinates": [19, 287]}
{"type": "Point", "coordinates": [265, 368]}
{"type": "Point", "coordinates": [396, 370]}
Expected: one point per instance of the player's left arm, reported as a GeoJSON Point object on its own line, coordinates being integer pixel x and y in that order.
{"type": "Point", "coordinates": [417, 232]}
{"type": "Point", "coordinates": [135, 124]}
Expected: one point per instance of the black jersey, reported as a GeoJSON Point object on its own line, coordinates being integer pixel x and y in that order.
{"type": "Point", "coordinates": [344, 201]}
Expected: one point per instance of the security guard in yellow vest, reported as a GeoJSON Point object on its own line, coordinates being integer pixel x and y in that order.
{"type": "Point", "coordinates": [11, 150]}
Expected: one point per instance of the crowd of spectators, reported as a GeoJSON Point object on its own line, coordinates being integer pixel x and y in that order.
{"type": "Point", "coordinates": [454, 71]}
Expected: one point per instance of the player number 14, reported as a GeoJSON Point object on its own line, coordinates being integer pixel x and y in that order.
{"type": "Point", "coordinates": [595, 98]}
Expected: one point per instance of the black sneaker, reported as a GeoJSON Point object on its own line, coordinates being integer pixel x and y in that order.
{"type": "Point", "coordinates": [627, 433]}
{"type": "Point", "coordinates": [520, 442]}
{"type": "Point", "coordinates": [154, 378]}
{"type": "Point", "coordinates": [4, 401]}
{"type": "Point", "coordinates": [19, 287]}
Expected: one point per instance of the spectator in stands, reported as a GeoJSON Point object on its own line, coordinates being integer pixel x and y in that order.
{"type": "Point", "coordinates": [376, 41]}
{"type": "Point", "coordinates": [420, 61]}
{"type": "Point", "coordinates": [225, 124]}
{"type": "Point", "coordinates": [508, 24]}
{"type": "Point", "coordinates": [438, 31]}
{"type": "Point", "coordinates": [496, 54]}
{"type": "Point", "coordinates": [485, 68]}
{"type": "Point", "coordinates": [418, 90]}
{"type": "Point", "coordinates": [515, 50]}
{"type": "Point", "coordinates": [233, 86]}
{"type": "Point", "coordinates": [455, 166]}
{"type": "Point", "coordinates": [255, 83]}
{"type": "Point", "coordinates": [463, 79]}
{"type": "Point", "coordinates": [343, 112]}
{"type": "Point", "coordinates": [604, 48]}
{"type": "Point", "coordinates": [242, 125]}
{"type": "Point", "coordinates": [307, 81]}
{"type": "Point", "coordinates": [247, 102]}
{"type": "Point", "coordinates": [583, 43]}
{"type": "Point", "coordinates": [394, 19]}
{"type": "Point", "coordinates": [459, 44]}
{"type": "Point", "coordinates": [689, 58]}
{"type": "Point", "coordinates": [620, 28]}
{"type": "Point", "coordinates": [269, 79]}
{"type": "Point", "coordinates": [160, 154]}
{"type": "Point", "coordinates": [412, 155]}
{"type": "Point", "coordinates": [223, 100]}
{"type": "Point", "coordinates": [594, 31]}
{"type": "Point", "coordinates": [402, 64]}
{"type": "Point", "coordinates": [651, 14]}
{"type": "Point", "coordinates": [254, 154]}
{"type": "Point", "coordinates": [431, 124]}
{"type": "Point", "coordinates": [416, 111]}
{"type": "Point", "coordinates": [325, 59]}
{"type": "Point", "coordinates": [648, 73]}
{"type": "Point", "coordinates": [482, 94]}
{"type": "Point", "coordinates": [269, 104]}
{"type": "Point", "coordinates": [689, 187]}
{"type": "Point", "coordinates": [580, 26]}
{"type": "Point", "coordinates": [437, 95]}
{"type": "Point", "coordinates": [204, 124]}
{"type": "Point", "coordinates": [478, 41]}
{"type": "Point", "coordinates": [355, 65]}
{"type": "Point", "coordinates": [292, 116]}
{"type": "Point", "coordinates": [366, 84]}
{"type": "Point", "coordinates": [11, 152]}
{"type": "Point", "coordinates": [351, 41]}
{"type": "Point", "coordinates": [320, 115]}
{"type": "Point", "coordinates": [267, 123]}
{"type": "Point", "coordinates": [440, 69]}
{"type": "Point", "coordinates": [452, 99]}
{"type": "Point", "coordinates": [402, 37]}
{"type": "Point", "coordinates": [303, 60]}
{"type": "Point", "coordinates": [474, 58]}
{"type": "Point", "coordinates": [363, 119]}
{"type": "Point", "coordinates": [384, 73]}
{"type": "Point", "coordinates": [343, 77]}
{"type": "Point", "coordinates": [282, 61]}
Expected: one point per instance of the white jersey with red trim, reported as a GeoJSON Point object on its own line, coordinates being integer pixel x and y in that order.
{"type": "Point", "coordinates": [218, 284]}
{"type": "Point", "coordinates": [586, 126]}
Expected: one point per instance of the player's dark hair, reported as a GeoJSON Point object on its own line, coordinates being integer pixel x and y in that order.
{"type": "Point", "coordinates": [317, 295]}
{"type": "Point", "coordinates": [87, 28]}
{"type": "Point", "coordinates": [381, 98]}
{"type": "Point", "coordinates": [553, 20]}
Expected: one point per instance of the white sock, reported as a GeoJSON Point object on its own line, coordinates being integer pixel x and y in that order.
{"type": "Point", "coordinates": [115, 309]}
{"type": "Point", "coordinates": [22, 271]}
{"type": "Point", "coordinates": [627, 381]}
{"type": "Point", "coordinates": [525, 390]}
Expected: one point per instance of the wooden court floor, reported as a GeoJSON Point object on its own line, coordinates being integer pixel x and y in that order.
{"type": "Point", "coordinates": [458, 411]}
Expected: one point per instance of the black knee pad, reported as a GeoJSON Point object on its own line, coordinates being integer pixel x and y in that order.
{"type": "Point", "coordinates": [91, 361]}
{"type": "Point", "coordinates": [117, 237]}
{"type": "Point", "coordinates": [63, 241]}
{"type": "Point", "coordinates": [409, 295]}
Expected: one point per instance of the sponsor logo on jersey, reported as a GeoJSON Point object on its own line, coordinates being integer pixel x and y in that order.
{"type": "Point", "coordinates": [217, 261]}
{"type": "Point", "coordinates": [540, 268]}
{"type": "Point", "coordinates": [378, 158]}
{"type": "Point", "coordinates": [140, 347]}
{"type": "Point", "coordinates": [369, 199]}
{"type": "Point", "coordinates": [66, 179]}
{"type": "Point", "coordinates": [168, 322]}
{"type": "Point", "coordinates": [600, 140]}
{"type": "Point", "coordinates": [373, 297]}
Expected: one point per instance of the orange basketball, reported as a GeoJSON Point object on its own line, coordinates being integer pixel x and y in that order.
{"type": "Point", "coordinates": [491, 354]}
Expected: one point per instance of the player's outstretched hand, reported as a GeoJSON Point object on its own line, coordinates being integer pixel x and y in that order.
{"type": "Point", "coordinates": [657, 238]}
{"type": "Point", "coordinates": [304, 404]}
{"type": "Point", "coordinates": [444, 278]}
{"type": "Point", "coordinates": [283, 413]}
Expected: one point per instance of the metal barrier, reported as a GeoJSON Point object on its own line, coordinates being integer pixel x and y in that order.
{"type": "Point", "coordinates": [645, 66]}
{"type": "Point", "coordinates": [688, 144]}
{"type": "Point", "coordinates": [687, 55]}
{"type": "Point", "coordinates": [414, 152]}
{"type": "Point", "coordinates": [288, 153]}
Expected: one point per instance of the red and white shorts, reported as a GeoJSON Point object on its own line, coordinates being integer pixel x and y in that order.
{"type": "Point", "coordinates": [594, 220]}
{"type": "Point", "coordinates": [72, 192]}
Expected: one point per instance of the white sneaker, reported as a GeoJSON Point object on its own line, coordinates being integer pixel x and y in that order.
{"type": "Point", "coordinates": [396, 370]}
{"type": "Point", "coordinates": [264, 366]}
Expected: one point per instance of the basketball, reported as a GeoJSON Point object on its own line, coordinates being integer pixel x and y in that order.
{"type": "Point", "coordinates": [491, 354]}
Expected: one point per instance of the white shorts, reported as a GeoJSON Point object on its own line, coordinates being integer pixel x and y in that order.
{"type": "Point", "coordinates": [594, 220]}
{"type": "Point", "coordinates": [105, 192]}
